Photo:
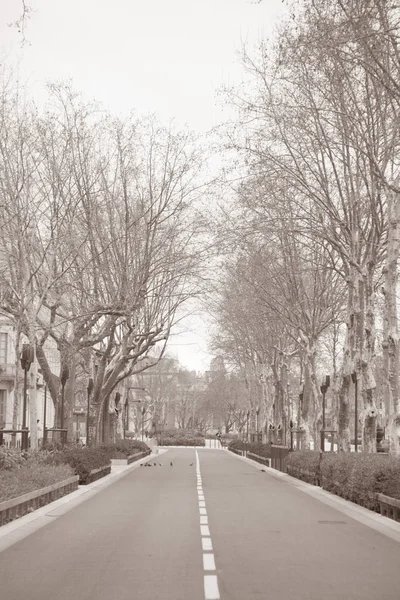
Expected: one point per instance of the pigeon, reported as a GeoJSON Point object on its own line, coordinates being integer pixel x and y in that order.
{"type": "Point", "coordinates": [160, 464]}
{"type": "Point", "coordinates": [262, 470]}
{"type": "Point", "coordinates": [191, 465]}
{"type": "Point", "coordinates": [155, 464]}
{"type": "Point", "coordinates": [171, 464]}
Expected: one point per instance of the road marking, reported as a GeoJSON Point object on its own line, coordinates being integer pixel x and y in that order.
{"type": "Point", "coordinates": [205, 530]}
{"type": "Point", "coordinates": [206, 543]}
{"type": "Point", "coordinates": [208, 562]}
{"type": "Point", "coordinates": [211, 590]}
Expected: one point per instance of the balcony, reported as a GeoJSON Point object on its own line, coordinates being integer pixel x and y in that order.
{"type": "Point", "coordinates": [7, 372]}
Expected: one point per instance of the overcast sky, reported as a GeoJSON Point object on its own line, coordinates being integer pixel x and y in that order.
{"type": "Point", "coordinates": [169, 57]}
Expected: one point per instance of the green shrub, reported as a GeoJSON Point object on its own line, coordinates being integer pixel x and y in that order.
{"type": "Point", "coordinates": [182, 441]}
{"type": "Point", "coordinates": [356, 477]}
{"type": "Point", "coordinates": [124, 448]}
{"type": "Point", "coordinates": [306, 460]}
{"type": "Point", "coordinates": [336, 472]}
{"type": "Point", "coordinates": [82, 460]}
{"type": "Point", "coordinates": [11, 458]}
{"type": "Point", "coordinates": [28, 478]}
{"type": "Point", "coordinates": [263, 450]}
{"type": "Point", "coordinates": [185, 433]}
{"type": "Point", "coordinates": [236, 444]}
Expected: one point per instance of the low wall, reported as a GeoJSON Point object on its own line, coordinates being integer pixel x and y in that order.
{"type": "Point", "coordinates": [129, 459]}
{"type": "Point", "coordinates": [95, 474]}
{"type": "Point", "coordinates": [20, 506]}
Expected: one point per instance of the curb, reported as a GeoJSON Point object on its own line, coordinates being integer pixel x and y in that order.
{"type": "Point", "coordinates": [379, 523]}
{"type": "Point", "coordinates": [13, 532]}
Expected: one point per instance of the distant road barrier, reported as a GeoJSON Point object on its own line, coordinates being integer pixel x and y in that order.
{"type": "Point", "coordinates": [213, 444]}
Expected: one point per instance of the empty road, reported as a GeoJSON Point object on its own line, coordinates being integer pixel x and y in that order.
{"type": "Point", "coordinates": [210, 526]}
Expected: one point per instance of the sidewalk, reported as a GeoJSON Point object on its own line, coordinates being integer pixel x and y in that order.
{"type": "Point", "coordinates": [20, 528]}
{"type": "Point", "coordinates": [383, 525]}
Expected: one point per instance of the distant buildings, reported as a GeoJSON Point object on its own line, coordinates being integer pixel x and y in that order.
{"type": "Point", "coordinates": [11, 385]}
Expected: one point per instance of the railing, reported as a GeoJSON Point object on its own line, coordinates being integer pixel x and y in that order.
{"type": "Point", "coordinates": [14, 438]}
{"type": "Point", "coordinates": [279, 456]}
{"type": "Point", "coordinates": [57, 435]}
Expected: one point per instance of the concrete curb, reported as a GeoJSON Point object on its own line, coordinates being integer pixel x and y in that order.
{"type": "Point", "coordinates": [13, 532]}
{"type": "Point", "coordinates": [383, 525]}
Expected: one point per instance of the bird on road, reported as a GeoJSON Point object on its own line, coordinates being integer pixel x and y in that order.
{"type": "Point", "coordinates": [171, 464]}
{"type": "Point", "coordinates": [160, 464]}
{"type": "Point", "coordinates": [155, 464]}
{"type": "Point", "coordinates": [191, 465]}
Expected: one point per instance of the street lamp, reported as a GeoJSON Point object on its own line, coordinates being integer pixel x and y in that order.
{"type": "Point", "coordinates": [143, 413]}
{"type": "Point", "coordinates": [355, 381]}
{"type": "Point", "coordinates": [323, 389]}
{"type": "Point", "coordinates": [27, 357]}
{"type": "Point", "coordinates": [89, 392]}
{"type": "Point", "coordinates": [257, 413]}
{"type": "Point", "coordinates": [64, 377]}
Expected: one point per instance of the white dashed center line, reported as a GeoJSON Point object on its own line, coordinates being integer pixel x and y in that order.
{"type": "Point", "coordinates": [211, 591]}
{"type": "Point", "coordinates": [207, 544]}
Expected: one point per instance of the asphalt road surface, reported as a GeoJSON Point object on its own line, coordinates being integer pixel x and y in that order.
{"type": "Point", "coordinates": [211, 526]}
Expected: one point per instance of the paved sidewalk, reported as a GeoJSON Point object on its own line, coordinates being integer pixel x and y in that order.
{"type": "Point", "coordinates": [17, 530]}
{"type": "Point", "coordinates": [384, 525]}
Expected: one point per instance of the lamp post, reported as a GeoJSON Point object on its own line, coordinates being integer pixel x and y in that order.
{"type": "Point", "coordinates": [44, 417]}
{"type": "Point", "coordinates": [27, 356]}
{"type": "Point", "coordinates": [143, 413]}
{"type": "Point", "coordinates": [355, 381]}
{"type": "Point", "coordinates": [89, 392]}
{"type": "Point", "coordinates": [247, 426]}
{"type": "Point", "coordinates": [323, 389]}
{"type": "Point", "coordinates": [257, 413]}
{"type": "Point", "coordinates": [64, 377]}
{"type": "Point", "coordinates": [301, 397]}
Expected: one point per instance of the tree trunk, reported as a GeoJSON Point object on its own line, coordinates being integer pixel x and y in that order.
{"type": "Point", "coordinates": [390, 342]}
{"type": "Point", "coordinates": [33, 429]}
{"type": "Point", "coordinates": [311, 398]}
{"type": "Point", "coordinates": [17, 391]}
{"type": "Point", "coordinates": [370, 412]}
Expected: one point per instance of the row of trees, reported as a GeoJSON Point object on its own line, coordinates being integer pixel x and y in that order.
{"type": "Point", "coordinates": [100, 241]}
{"type": "Point", "coordinates": [311, 285]}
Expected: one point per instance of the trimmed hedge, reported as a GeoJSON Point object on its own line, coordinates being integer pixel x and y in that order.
{"type": "Point", "coordinates": [180, 437]}
{"type": "Point", "coordinates": [263, 450]}
{"type": "Point", "coordinates": [124, 448]}
{"type": "Point", "coordinates": [29, 478]}
{"type": "Point", "coordinates": [82, 460]}
{"type": "Point", "coordinates": [356, 477]}
{"type": "Point", "coordinates": [181, 441]}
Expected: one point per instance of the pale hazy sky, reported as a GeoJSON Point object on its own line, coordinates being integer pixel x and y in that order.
{"type": "Point", "coordinates": [169, 57]}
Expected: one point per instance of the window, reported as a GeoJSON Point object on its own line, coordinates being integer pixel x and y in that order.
{"type": "Point", "coordinates": [3, 348]}
{"type": "Point", "coordinates": [3, 400]}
